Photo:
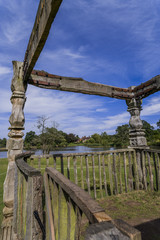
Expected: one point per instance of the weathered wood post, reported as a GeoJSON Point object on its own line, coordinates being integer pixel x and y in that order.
{"type": "Point", "coordinates": [14, 145]}
{"type": "Point", "coordinates": [136, 133]}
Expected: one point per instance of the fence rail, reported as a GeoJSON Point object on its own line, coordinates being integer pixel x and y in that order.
{"type": "Point", "coordinates": [100, 173]}
{"type": "Point", "coordinates": [28, 212]}
{"type": "Point", "coordinates": [66, 203]}
{"type": "Point", "coordinates": [107, 172]}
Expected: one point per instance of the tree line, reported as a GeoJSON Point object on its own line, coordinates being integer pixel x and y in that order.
{"type": "Point", "coordinates": [121, 137]}
{"type": "Point", "coordinates": [50, 137]}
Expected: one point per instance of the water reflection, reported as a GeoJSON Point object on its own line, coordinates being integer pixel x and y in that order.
{"type": "Point", "coordinates": [73, 149]}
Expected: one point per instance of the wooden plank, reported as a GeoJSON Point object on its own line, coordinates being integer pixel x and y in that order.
{"type": "Point", "coordinates": [94, 177]}
{"type": "Point", "coordinates": [135, 171]}
{"type": "Point", "coordinates": [48, 206]}
{"type": "Point", "coordinates": [158, 170]}
{"type": "Point", "coordinates": [120, 173]}
{"type": "Point", "coordinates": [68, 167]}
{"type": "Point", "coordinates": [26, 169]}
{"type": "Point", "coordinates": [63, 215]}
{"type": "Point", "coordinates": [24, 206]}
{"type": "Point", "coordinates": [100, 175]}
{"type": "Point", "coordinates": [54, 161]}
{"type": "Point", "coordinates": [53, 198]}
{"type": "Point", "coordinates": [130, 177]}
{"type": "Point", "coordinates": [82, 181]}
{"type": "Point", "coordinates": [29, 207]}
{"type": "Point", "coordinates": [55, 207]}
{"type": "Point", "coordinates": [72, 218]}
{"type": "Point", "coordinates": [144, 172]}
{"type": "Point", "coordinates": [46, 13]}
{"type": "Point", "coordinates": [87, 175]}
{"type": "Point", "coordinates": [49, 81]}
{"type": "Point", "coordinates": [115, 173]}
{"type": "Point", "coordinates": [155, 169]}
{"type": "Point", "coordinates": [75, 169]}
{"type": "Point", "coordinates": [125, 172]}
{"type": "Point", "coordinates": [78, 223]}
{"type": "Point", "coordinates": [150, 171]}
{"type": "Point", "coordinates": [110, 174]}
{"type": "Point", "coordinates": [104, 175]}
{"type": "Point", "coordinates": [81, 198]}
{"type": "Point", "coordinates": [21, 206]}
{"type": "Point", "coordinates": [68, 220]}
{"type": "Point", "coordinates": [128, 230]}
{"type": "Point", "coordinates": [62, 165]}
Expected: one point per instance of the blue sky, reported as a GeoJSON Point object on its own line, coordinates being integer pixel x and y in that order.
{"type": "Point", "coordinates": [107, 41]}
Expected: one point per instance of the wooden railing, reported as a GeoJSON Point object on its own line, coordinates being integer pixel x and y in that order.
{"type": "Point", "coordinates": [107, 172]}
{"type": "Point", "coordinates": [66, 203]}
{"type": "Point", "coordinates": [100, 173]}
{"type": "Point", "coordinates": [150, 160]}
{"type": "Point", "coordinates": [28, 211]}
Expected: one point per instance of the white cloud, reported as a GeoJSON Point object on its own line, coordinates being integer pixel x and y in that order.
{"type": "Point", "coordinates": [152, 108]}
{"type": "Point", "coordinates": [116, 120]}
{"type": "Point", "coordinates": [5, 105]}
{"type": "Point", "coordinates": [78, 62]}
{"type": "Point", "coordinates": [15, 30]}
{"type": "Point", "coordinates": [5, 70]}
{"type": "Point", "coordinates": [101, 110]}
{"type": "Point", "coordinates": [17, 21]}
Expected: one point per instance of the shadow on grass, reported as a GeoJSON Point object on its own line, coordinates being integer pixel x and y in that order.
{"type": "Point", "coordinates": [150, 230]}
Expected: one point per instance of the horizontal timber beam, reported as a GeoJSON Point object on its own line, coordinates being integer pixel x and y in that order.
{"type": "Point", "coordinates": [46, 80]}
{"type": "Point", "coordinates": [46, 13]}
{"type": "Point", "coordinates": [147, 88]}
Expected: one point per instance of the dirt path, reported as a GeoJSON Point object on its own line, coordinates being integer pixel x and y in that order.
{"type": "Point", "coordinates": [140, 209]}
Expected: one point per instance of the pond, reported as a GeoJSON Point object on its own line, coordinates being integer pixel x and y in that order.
{"type": "Point", "coordinates": [74, 149]}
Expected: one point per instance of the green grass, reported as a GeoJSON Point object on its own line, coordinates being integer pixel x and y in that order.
{"type": "Point", "coordinates": [3, 169]}
{"type": "Point", "coordinates": [133, 206]}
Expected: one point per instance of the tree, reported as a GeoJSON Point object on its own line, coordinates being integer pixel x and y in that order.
{"type": "Point", "coordinates": [31, 140]}
{"type": "Point", "coordinates": [42, 125]}
{"type": "Point", "coordinates": [71, 138]}
{"type": "Point", "coordinates": [158, 124]}
{"type": "Point", "coordinates": [149, 130]}
{"type": "Point", "coordinates": [3, 142]}
{"type": "Point", "coordinates": [122, 136]}
{"type": "Point", "coordinates": [53, 138]}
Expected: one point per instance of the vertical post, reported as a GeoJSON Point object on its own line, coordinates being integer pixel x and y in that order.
{"type": "Point", "coordinates": [14, 143]}
{"type": "Point", "coordinates": [136, 133]}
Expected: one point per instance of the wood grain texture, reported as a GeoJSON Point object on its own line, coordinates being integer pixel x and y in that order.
{"type": "Point", "coordinates": [48, 207]}
{"type": "Point", "coordinates": [46, 13]}
{"type": "Point", "coordinates": [82, 199]}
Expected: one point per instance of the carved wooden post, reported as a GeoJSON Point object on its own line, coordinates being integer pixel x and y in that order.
{"type": "Point", "coordinates": [136, 133]}
{"type": "Point", "coordinates": [14, 145]}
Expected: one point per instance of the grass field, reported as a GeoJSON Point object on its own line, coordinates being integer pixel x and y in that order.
{"type": "Point", "coordinates": [140, 209]}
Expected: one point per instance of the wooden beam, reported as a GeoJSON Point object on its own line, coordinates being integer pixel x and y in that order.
{"type": "Point", "coordinates": [89, 207]}
{"type": "Point", "coordinates": [46, 13]}
{"type": "Point", "coordinates": [49, 81]}
{"type": "Point", "coordinates": [46, 80]}
{"type": "Point", "coordinates": [147, 88]}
